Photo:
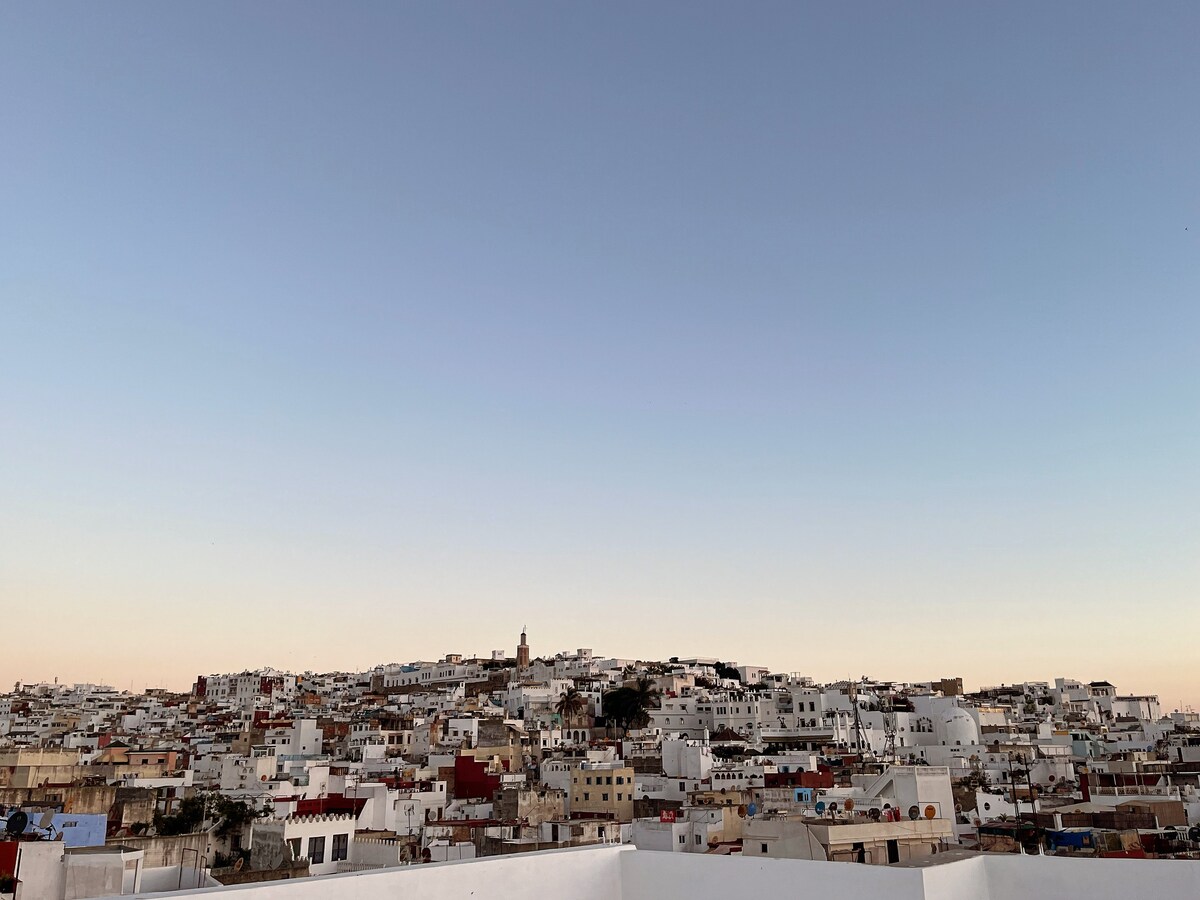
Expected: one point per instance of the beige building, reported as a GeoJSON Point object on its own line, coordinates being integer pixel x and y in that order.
{"type": "Point", "coordinates": [531, 806]}
{"type": "Point", "coordinates": [32, 768]}
{"type": "Point", "coordinates": [877, 843]}
{"type": "Point", "coordinates": [603, 788]}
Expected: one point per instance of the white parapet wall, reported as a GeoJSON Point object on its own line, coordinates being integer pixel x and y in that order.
{"type": "Point", "coordinates": [582, 874]}
{"type": "Point", "coordinates": [1011, 877]}
{"type": "Point", "coordinates": [647, 875]}
{"type": "Point", "coordinates": [624, 873]}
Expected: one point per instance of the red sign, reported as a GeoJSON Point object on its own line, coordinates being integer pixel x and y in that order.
{"type": "Point", "coordinates": [667, 815]}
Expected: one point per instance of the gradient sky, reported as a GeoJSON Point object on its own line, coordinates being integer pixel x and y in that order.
{"type": "Point", "coordinates": [838, 338]}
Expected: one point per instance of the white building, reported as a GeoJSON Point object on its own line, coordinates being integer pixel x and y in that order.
{"type": "Point", "coordinates": [324, 840]}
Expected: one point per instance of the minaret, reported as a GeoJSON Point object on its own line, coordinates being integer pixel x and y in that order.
{"type": "Point", "coordinates": [522, 652]}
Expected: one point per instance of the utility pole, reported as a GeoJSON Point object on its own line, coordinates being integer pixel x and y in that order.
{"type": "Point", "coordinates": [859, 737]}
{"type": "Point", "coordinates": [1013, 784]}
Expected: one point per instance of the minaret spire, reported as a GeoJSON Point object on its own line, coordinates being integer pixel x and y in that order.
{"type": "Point", "coordinates": [523, 651]}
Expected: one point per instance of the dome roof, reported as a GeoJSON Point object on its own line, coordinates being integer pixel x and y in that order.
{"type": "Point", "coordinates": [955, 726]}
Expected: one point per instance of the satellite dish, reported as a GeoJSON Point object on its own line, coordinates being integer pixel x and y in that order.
{"type": "Point", "coordinates": [46, 820]}
{"type": "Point", "coordinates": [753, 808]}
{"type": "Point", "coordinates": [833, 807]}
{"type": "Point", "coordinates": [914, 812]}
{"type": "Point", "coordinates": [742, 811]}
{"type": "Point", "coordinates": [820, 807]}
{"type": "Point", "coordinates": [16, 823]}
{"type": "Point", "coordinates": [849, 804]}
{"type": "Point", "coordinates": [873, 814]}
{"type": "Point", "coordinates": [931, 811]}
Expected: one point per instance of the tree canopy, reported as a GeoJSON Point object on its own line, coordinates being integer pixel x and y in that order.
{"type": "Point", "coordinates": [630, 705]}
{"type": "Point", "coordinates": [570, 704]}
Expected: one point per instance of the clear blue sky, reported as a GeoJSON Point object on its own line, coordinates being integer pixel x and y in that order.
{"type": "Point", "coordinates": [835, 338]}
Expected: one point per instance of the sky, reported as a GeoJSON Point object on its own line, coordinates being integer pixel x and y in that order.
{"type": "Point", "coordinates": [840, 338]}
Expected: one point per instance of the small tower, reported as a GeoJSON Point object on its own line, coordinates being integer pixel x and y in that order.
{"type": "Point", "coordinates": [523, 651]}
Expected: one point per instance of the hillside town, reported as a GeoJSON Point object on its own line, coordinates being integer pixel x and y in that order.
{"type": "Point", "coordinates": [261, 776]}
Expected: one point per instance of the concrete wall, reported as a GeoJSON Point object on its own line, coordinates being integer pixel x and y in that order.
{"type": "Point", "coordinates": [966, 878]}
{"type": "Point", "coordinates": [623, 873]}
{"type": "Point", "coordinates": [584, 874]}
{"type": "Point", "coordinates": [171, 878]}
{"type": "Point", "coordinates": [653, 876]}
{"type": "Point", "coordinates": [97, 875]}
{"type": "Point", "coordinates": [1021, 877]}
{"type": "Point", "coordinates": [169, 850]}
{"type": "Point", "coordinates": [377, 852]}
{"type": "Point", "coordinates": [42, 871]}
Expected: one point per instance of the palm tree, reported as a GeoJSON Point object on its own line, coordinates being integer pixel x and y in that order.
{"type": "Point", "coordinates": [646, 696]}
{"type": "Point", "coordinates": [630, 705]}
{"type": "Point", "coordinates": [570, 704]}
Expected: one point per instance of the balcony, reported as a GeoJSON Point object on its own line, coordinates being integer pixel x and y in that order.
{"type": "Point", "coordinates": [797, 734]}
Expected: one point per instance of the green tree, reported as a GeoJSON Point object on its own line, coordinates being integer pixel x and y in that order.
{"type": "Point", "coordinates": [725, 671]}
{"type": "Point", "coordinates": [187, 818]}
{"type": "Point", "coordinates": [232, 815]}
{"type": "Point", "coordinates": [570, 704]}
{"type": "Point", "coordinates": [629, 706]}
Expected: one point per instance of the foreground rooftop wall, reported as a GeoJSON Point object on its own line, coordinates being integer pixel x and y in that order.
{"type": "Point", "coordinates": [583, 874]}
{"type": "Point", "coordinates": [1011, 877]}
{"type": "Point", "coordinates": [623, 873]}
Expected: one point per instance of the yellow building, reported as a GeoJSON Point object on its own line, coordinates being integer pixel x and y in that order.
{"type": "Point", "coordinates": [603, 788]}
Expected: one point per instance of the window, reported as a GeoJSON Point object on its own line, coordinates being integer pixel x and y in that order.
{"type": "Point", "coordinates": [619, 796]}
{"type": "Point", "coordinates": [604, 796]}
{"type": "Point", "coordinates": [764, 848]}
{"type": "Point", "coordinates": [316, 850]}
{"type": "Point", "coordinates": [697, 839]}
{"type": "Point", "coordinates": [609, 779]}
{"type": "Point", "coordinates": [682, 839]}
{"type": "Point", "coordinates": [620, 779]}
{"type": "Point", "coordinates": [587, 796]}
{"type": "Point", "coordinates": [341, 847]}
{"type": "Point", "coordinates": [589, 780]}
{"type": "Point", "coordinates": [294, 844]}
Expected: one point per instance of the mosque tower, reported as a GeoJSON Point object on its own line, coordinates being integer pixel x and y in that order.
{"type": "Point", "coordinates": [523, 651]}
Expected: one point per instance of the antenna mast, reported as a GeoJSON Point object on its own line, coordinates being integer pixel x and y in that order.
{"type": "Point", "coordinates": [859, 734]}
{"type": "Point", "coordinates": [887, 707]}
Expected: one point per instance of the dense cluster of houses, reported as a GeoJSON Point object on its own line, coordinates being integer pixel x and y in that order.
{"type": "Point", "coordinates": [267, 775]}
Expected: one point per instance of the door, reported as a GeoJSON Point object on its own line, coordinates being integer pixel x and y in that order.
{"type": "Point", "coordinates": [893, 851]}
